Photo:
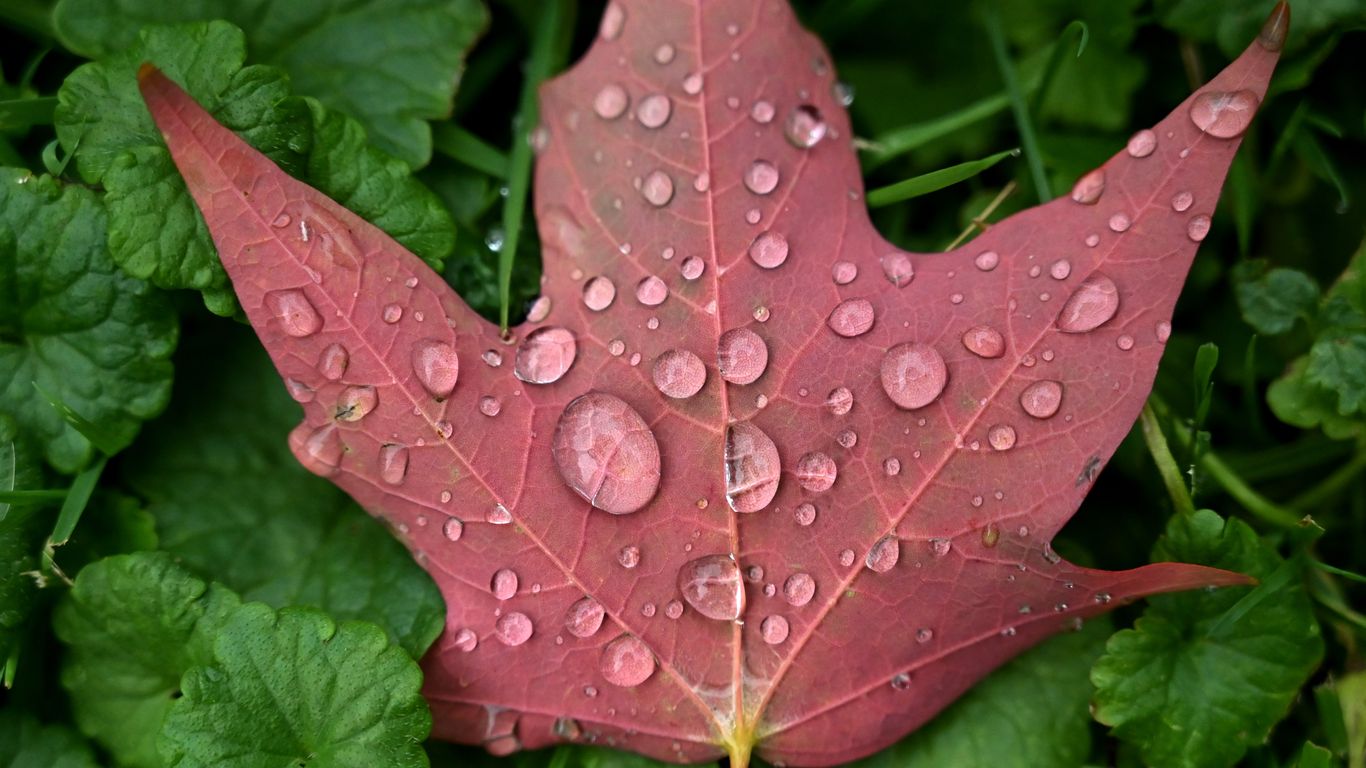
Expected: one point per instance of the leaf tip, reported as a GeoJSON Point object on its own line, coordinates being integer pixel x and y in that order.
{"type": "Point", "coordinates": [146, 71]}
{"type": "Point", "coordinates": [1272, 36]}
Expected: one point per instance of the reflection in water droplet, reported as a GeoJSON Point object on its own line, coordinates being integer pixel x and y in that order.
{"type": "Point", "coordinates": [1090, 306]}
{"type": "Point", "coordinates": [1198, 227]}
{"type": "Point", "coordinates": [1142, 144]}
{"type": "Point", "coordinates": [913, 374]}
{"type": "Point", "coordinates": [437, 367]}
{"type": "Point", "coordinates": [294, 312]}
{"type": "Point", "coordinates": [984, 341]}
{"type": "Point", "coordinates": [883, 555]}
{"type": "Point", "coordinates": [1090, 187]}
{"type": "Point", "coordinates": [761, 177]}
{"type": "Point", "coordinates": [1001, 437]}
{"type": "Point", "coordinates": [606, 453]}
{"type": "Point", "coordinates": [712, 586]}
{"type": "Point", "coordinates": [769, 250]}
{"type": "Point", "coordinates": [545, 355]}
{"type": "Point", "coordinates": [1042, 398]}
{"type": "Point", "coordinates": [804, 127]}
{"type": "Point", "coordinates": [513, 628]}
{"type": "Point", "coordinates": [654, 110]}
{"type": "Point", "coordinates": [584, 617]}
{"type": "Point", "coordinates": [1223, 115]}
{"type": "Point", "coordinates": [679, 373]}
{"type": "Point", "coordinates": [393, 463]}
{"type": "Point", "coordinates": [355, 403]}
{"type": "Point", "coordinates": [627, 662]}
{"type": "Point", "coordinates": [752, 467]}
{"type": "Point", "coordinates": [504, 584]}
{"type": "Point", "coordinates": [898, 269]}
{"type": "Point", "coordinates": [741, 356]}
{"type": "Point", "coordinates": [774, 629]}
{"type": "Point", "coordinates": [610, 102]}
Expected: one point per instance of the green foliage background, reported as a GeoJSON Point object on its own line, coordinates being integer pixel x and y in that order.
{"type": "Point", "coordinates": [174, 589]}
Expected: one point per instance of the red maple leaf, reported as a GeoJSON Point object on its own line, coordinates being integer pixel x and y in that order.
{"type": "Point", "coordinates": [751, 477]}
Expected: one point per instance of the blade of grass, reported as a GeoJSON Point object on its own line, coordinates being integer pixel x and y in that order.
{"type": "Point", "coordinates": [99, 437]}
{"type": "Point", "coordinates": [934, 180]}
{"type": "Point", "coordinates": [549, 50]}
{"type": "Point", "coordinates": [1055, 60]}
{"type": "Point", "coordinates": [464, 147]}
{"type": "Point", "coordinates": [77, 498]}
{"type": "Point", "coordinates": [28, 497]}
{"type": "Point", "coordinates": [1279, 579]}
{"type": "Point", "coordinates": [22, 113]}
{"type": "Point", "coordinates": [1167, 468]}
{"type": "Point", "coordinates": [910, 137]}
{"type": "Point", "coordinates": [991, 19]}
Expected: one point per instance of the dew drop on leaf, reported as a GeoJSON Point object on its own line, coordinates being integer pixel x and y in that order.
{"type": "Point", "coordinates": [504, 584]}
{"type": "Point", "coordinates": [774, 629]}
{"type": "Point", "coordinates": [752, 467]}
{"type": "Point", "coordinates": [883, 555]}
{"type": "Point", "coordinates": [513, 629]}
{"type": "Point", "coordinates": [851, 318]}
{"type": "Point", "coordinates": [1089, 187]}
{"type": "Point", "coordinates": [741, 356]}
{"type": "Point", "coordinates": [1142, 143]}
{"type": "Point", "coordinates": [545, 355]}
{"type": "Point", "coordinates": [816, 472]}
{"type": "Point", "coordinates": [1223, 115]}
{"type": "Point", "coordinates": [679, 373]}
{"type": "Point", "coordinates": [761, 177]}
{"type": "Point", "coordinates": [393, 463]}
{"type": "Point", "coordinates": [437, 367]}
{"type": "Point", "coordinates": [913, 374]}
{"type": "Point", "coordinates": [769, 250]}
{"type": "Point", "coordinates": [627, 662]}
{"type": "Point", "coordinates": [333, 362]}
{"type": "Point", "coordinates": [799, 589]}
{"type": "Point", "coordinates": [711, 585]}
{"type": "Point", "coordinates": [598, 293]}
{"type": "Point", "coordinates": [804, 127]}
{"type": "Point", "coordinates": [355, 403]}
{"type": "Point", "coordinates": [294, 312]}
{"type": "Point", "coordinates": [584, 617]}
{"type": "Point", "coordinates": [1090, 306]}
{"type": "Point", "coordinates": [1042, 398]}
{"type": "Point", "coordinates": [654, 110]}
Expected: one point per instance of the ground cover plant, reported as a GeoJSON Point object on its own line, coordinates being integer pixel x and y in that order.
{"type": "Point", "coordinates": [179, 591]}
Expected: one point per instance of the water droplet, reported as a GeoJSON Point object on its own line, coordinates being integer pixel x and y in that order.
{"type": "Point", "coordinates": [692, 84]}
{"type": "Point", "coordinates": [752, 467]}
{"type": "Point", "coordinates": [332, 363]}
{"type": "Point", "coordinates": [1223, 115]}
{"type": "Point", "coordinates": [658, 188]}
{"type": "Point", "coordinates": [891, 466]}
{"type": "Point", "coordinates": [741, 356]}
{"type": "Point", "coordinates": [584, 617]}
{"type": "Point", "coordinates": [774, 629]}
{"type": "Point", "coordinates": [1092, 240]}
{"type": "Point", "coordinates": [679, 374]}
{"type": "Point", "coordinates": [901, 681]}
{"type": "Point", "coordinates": [545, 355]}
{"type": "Point", "coordinates": [664, 54]}
{"type": "Point", "coordinates": [393, 463]}
{"type": "Point", "coordinates": [652, 291]}
{"type": "Point", "coordinates": [513, 628]}
{"type": "Point", "coordinates": [294, 312]}
{"type": "Point", "coordinates": [437, 366]}
{"type": "Point", "coordinates": [799, 589]}
{"type": "Point", "coordinates": [816, 472]}
{"type": "Point", "coordinates": [840, 401]}
{"type": "Point", "coordinates": [762, 112]}
{"type": "Point", "coordinates": [1125, 342]}
{"type": "Point", "coordinates": [1090, 187]}
{"type": "Point", "coordinates": [612, 21]}
{"type": "Point", "coordinates": [320, 451]}
{"type": "Point", "coordinates": [599, 293]}
{"type": "Point", "coordinates": [753, 215]}
{"type": "Point", "coordinates": [300, 391]}
{"type": "Point", "coordinates": [692, 267]}
{"type": "Point", "coordinates": [924, 635]}
{"type": "Point", "coordinates": [851, 318]}
{"type": "Point", "coordinates": [1042, 398]}
{"type": "Point", "coordinates": [898, 269]}
{"type": "Point", "coordinates": [1090, 306]}
{"type": "Point", "coordinates": [883, 555]}
{"type": "Point", "coordinates": [1060, 269]}
{"type": "Point", "coordinates": [498, 515]}
{"type": "Point", "coordinates": [627, 662]}
{"type": "Point", "coordinates": [1001, 437]}
{"type": "Point", "coordinates": [769, 250]}
{"type": "Point", "coordinates": [606, 453]}
{"type": "Point", "coordinates": [847, 557]}
{"type": "Point", "coordinates": [843, 93]}
{"type": "Point", "coordinates": [991, 534]}
{"type": "Point", "coordinates": [610, 102]}
{"type": "Point", "coordinates": [629, 557]}
{"type": "Point", "coordinates": [1181, 201]}
{"type": "Point", "coordinates": [712, 586]}
{"type": "Point", "coordinates": [761, 314]}
{"type": "Point", "coordinates": [847, 438]}
{"type": "Point", "coordinates": [654, 110]}
{"type": "Point", "coordinates": [281, 221]}
{"type": "Point", "coordinates": [504, 584]}
{"type": "Point", "coordinates": [984, 341]}
{"type": "Point", "coordinates": [761, 177]}
{"type": "Point", "coordinates": [674, 609]}
{"type": "Point", "coordinates": [490, 406]}
{"type": "Point", "coordinates": [987, 260]}
{"type": "Point", "coordinates": [804, 127]}
{"type": "Point", "coordinates": [492, 358]}
{"type": "Point", "coordinates": [941, 547]}
{"type": "Point", "coordinates": [1120, 222]}
{"type": "Point", "coordinates": [355, 403]}
{"type": "Point", "coordinates": [1142, 144]}
{"type": "Point", "coordinates": [805, 514]}
{"type": "Point", "coordinates": [466, 640]}
{"type": "Point", "coordinates": [913, 374]}
{"type": "Point", "coordinates": [453, 529]}
{"type": "Point", "coordinates": [1198, 227]}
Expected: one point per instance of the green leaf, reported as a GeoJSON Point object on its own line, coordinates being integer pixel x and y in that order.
{"type": "Point", "coordinates": [27, 743]}
{"type": "Point", "coordinates": [1185, 696]}
{"type": "Point", "coordinates": [1351, 691]}
{"type": "Point", "coordinates": [72, 323]}
{"type": "Point", "coordinates": [134, 624]}
{"type": "Point", "coordinates": [1271, 300]}
{"type": "Point", "coordinates": [1300, 402]}
{"type": "Point", "coordinates": [989, 727]}
{"type": "Point", "coordinates": [1231, 23]}
{"type": "Point", "coordinates": [391, 64]}
{"type": "Point", "coordinates": [155, 230]}
{"type": "Point", "coordinates": [1337, 361]}
{"type": "Point", "coordinates": [233, 504]}
{"type": "Point", "coordinates": [293, 688]}
{"type": "Point", "coordinates": [21, 534]}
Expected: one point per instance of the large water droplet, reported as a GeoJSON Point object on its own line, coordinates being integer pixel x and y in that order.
{"type": "Point", "coordinates": [898, 268]}
{"type": "Point", "coordinates": [652, 291]}
{"type": "Point", "coordinates": [513, 628]}
{"type": "Point", "coordinates": [761, 177]}
{"type": "Point", "coordinates": [1042, 398]}
{"type": "Point", "coordinates": [355, 403]}
{"type": "Point", "coordinates": [774, 629]}
{"type": "Point", "coordinates": [1182, 201]}
{"type": "Point", "coordinates": [1142, 144]}
{"type": "Point", "coordinates": [584, 617]}
{"type": "Point", "coordinates": [1090, 306]}
{"type": "Point", "coordinates": [799, 589]}
{"type": "Point", "coordinates": [883, 555]}
{"type": "Point", "coordinates": [504, 584]}
{"type": "Point", "coordinates": [712, 586]}
{"type": "Point", "coordinates": [606, 453]}
{"type": "Point", "coordinates": [1090, 187]}
{"type": "Point", "coordinates": [851, 317]}
{"type": "Point", "coordinates": [294, 312]}
{"type": "Point", "coordinates": [752, 467]}
{"type": "Point", "coordinates": [545, 355]}
{"type": "Point", "coordinates": [332, 363]}
{"type": "Point", "coordinates": [1223, 115]}
{"type": "Point", "coordinates": [741, 356]}
{"type": "Point", "coordinates": [679, 373]}
{"type": "Point", "coordinates": [816, 472]}
{"type": "Point", "coordinates": [627, 662]}
{"type": "Point", "coordinates": [804, 127]}
{"type": "Point", "coordinates": [658, 188]}
{"type": "Point", "coordinates": [393, 463]}
{"type": "Point", "coordinates": [321, 450]}
{"type": "Point", "coordinates": [913, 374]}
{"type": "Point", "coordinates": [769, 250]}
{"type": "Point", "coordinates": [611, 101]}
{"type": "Point", "coordinates": [437, 367]}
{"type": "Point", "coordinates": [599, 293]}
{"type": "Point", "coordinates": [654, 110]}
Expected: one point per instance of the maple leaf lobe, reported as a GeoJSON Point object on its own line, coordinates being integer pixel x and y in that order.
{"type": "Point", "coordinates": [887, 446]}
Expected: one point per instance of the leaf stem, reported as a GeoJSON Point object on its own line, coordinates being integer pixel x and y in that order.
{"type": "Point", "coordinates": [464, 147]}
{"type": "Point", "coordinates": [980, 220]}
{"type": "Point", "coordinates": [1166, 463]}
{"type": "Point", "coordinates": [992, 21]}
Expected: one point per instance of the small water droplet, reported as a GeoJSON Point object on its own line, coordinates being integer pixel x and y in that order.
{"type": "Point", "coordinates": [679, 374]}
{"type": "Point", "coordinates": [498, 515]}
{"type": "Point", "coordinates": [606, 453]}
{"type": "Point", "coordinates": [840, 401]}
{"type": "Point", "coordinates": [1142, 144]}
{"type": "Point", "coordinates": [1042, 398]}
{"type": "Point", "coordinates": [1224, 115]}
{"type": "Point", "coordinates": [1198, 227]}
{"type": "Point", "coordinates": [320, 451]}
{"type": "Point", "coordinates": [664, 54]}
{"type": "Point", "coordinates": [984, 341]}
{"type": "Point", "coordinates": [774, 629]}
{"type": "Point", "coordinates": [610, 102]}
{"type": "Point", "coordinates": [584, 617]}
{"type": "Point", "coordinates": [761, 177]}
{"type": "Point", "coordinates": [652, 291]}
{"type": "Point", "coordinates": [769, 250]}
{"type": "Point", "coordinates": [847, 557]}
{"type": "Point", "coordinates": [1182, 201]}
{"type": "Point", "coordinates": [901, 681]}
{"type": "Point", "coordinates": [816, 472]}
{"type": "Point", "coordinates": [1092, 305]}
{"type": "Point", "coordinates": [355, 403]}
{"type": "Point", "coordinates": [294, 312]}
{"type": "Point", "coordinates": [654, 110]}
{"type": "Point", "coordinates": [1060, 269]}
{"type": "Point", "coordinates": [991, 534]}
{"type": "Point", "coordinates": [692, 84]}
{"type": "Point", "coordinates": [1120, 222]}
{"type": "Point", "coordinates": [741, 356]}
{"type": "Point", "coordinates": [913, 374]}
{"type": "Point", "coordinates": [504, 584]}
{"type": "Point", "coordinates": [613, 19]}
{"type": "Point", "coordinates": [891, 466]}
{"type": "Point", "coordinates": [1001, 437]}
{"type": "Point", "coordinates": [987, 260]}
{"type": "Point", "coordinates": [692, 267]}
{"type": "Point", "coordinates": [627, 662]}
{"type": "Point", "coordinates": [629, 557]}
{"type": "Point", "coordinates": [674, 609]}
{"type": "Point", "coordinates": [799, 589]}
{"type": "Point", "coordinates": [711, 585]}
{"type": "Point", "coordinates": [752, 467]}
{"type": "Point", "coordinates": [657, 188]}
{"type": "Point", "coordinates": [545, 355]}
{"type": "Point", "coordinates": [1090, 187]}
{"type": "Point", "coordinates": [513, 629]}
{"type": "Point", "coordinates": [898, 269]}
{"type": "Point", "coordinates": [300, 391]}
{"type": "Point", "coordinates": [1092, 240]}
{"type": "Point", "coordinates": [924, 635]}
{"type": "Point", "coordinates": [490, 406]}
{"type": "Point", "coordinates": [941, 547]}
{"type": "Point", "coordinates": [393, 463]}
{"type": "Point", "coordinates": [492, 358]}
{"type": "Point", "coordinates": [883, 555]}
{"type": "Point", "coordinates": [437, 367]}
{"type": "Point", "coordinates": [851, 318]}
{"type": "Point", "coordinates": [805, 514]}
{"type": "Point", "coordinates": [804, 127]}
{"type": "Point", "coordinates": [598, 293]}
{"type": "Point", "coordinates": [1125, 342]}
{"type": "Point", "coordinates": [453, 528]}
